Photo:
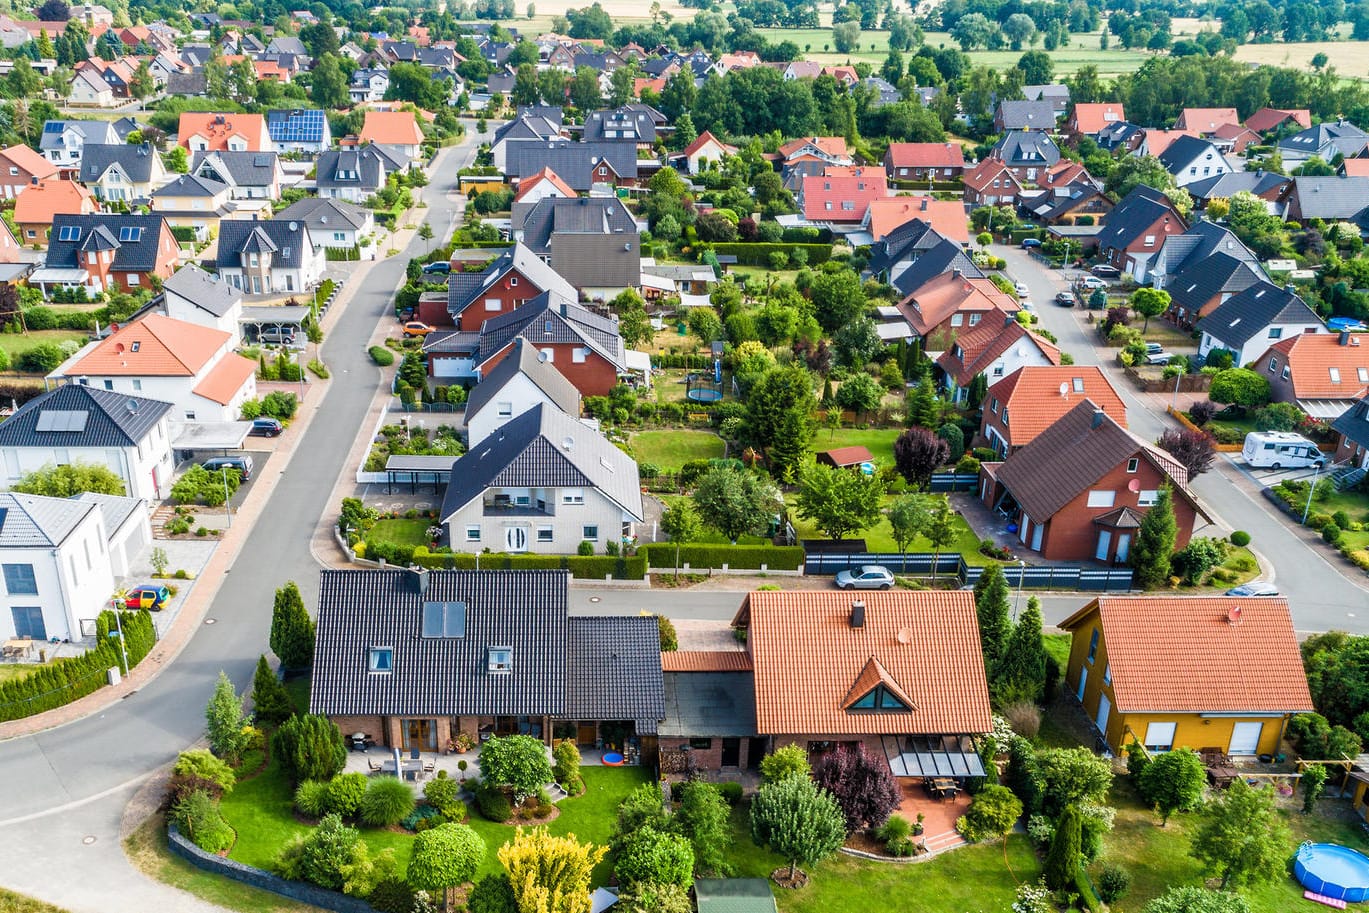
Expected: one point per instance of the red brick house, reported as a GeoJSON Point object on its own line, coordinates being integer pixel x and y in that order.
{"type": "Point", "coordinates": [1027, 402]}
{"type": "Point", "coordinates": [953, 303]}
{"type": "Point", "coordinates": [841, 193]}
{"type": "Point", "coordinates": [924, 161]}
{"type": "Point", "coordinates": [1136, 229]}
{"type": "Point", "coordinates": [1080, 489]}
{"type": "Point", "coordinates": [582, 345]}
{"type": "Point", "coordinates": [1267, 119]}
{"type": "Point", "coordinates": [516, 276]}
{"type": "Point", "coordinates": [21, 168]}
{"type": "Point", "coordinates": [994, 351]}
{"type": "Point", "coordinates": [1352, 430]}
{"type": "Point", "coordinates": [992, 183]}
{"type": "Point", "coordinates": [103, 252]}
{"type": "Point", "coordinates": [1320, 373]}
{"type": "Point", "coordinates": [1234, 138]}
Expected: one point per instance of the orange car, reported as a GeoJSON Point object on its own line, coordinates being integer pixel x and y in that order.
{"type": "Point", "coordinates": [417, 328]}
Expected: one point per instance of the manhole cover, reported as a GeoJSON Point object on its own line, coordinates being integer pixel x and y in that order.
{"type": "Point", "coordinates": [210, 621]}
{"type": "Point", "coordinates": [88, 839]}
{"type": "Point", "coordinates": [594, 599]}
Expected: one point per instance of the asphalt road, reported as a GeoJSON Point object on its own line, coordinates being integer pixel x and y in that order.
{"type": "Point", "coordinates": [1320, 596]}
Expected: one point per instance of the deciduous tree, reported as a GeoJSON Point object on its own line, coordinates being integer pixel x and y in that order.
{"type": "Point", "coordinates": [443, 857]}
{"type": "Point", "coordinates": [517, 763]}
{"type": "Point", "coordinates": [798, 821]}
{"type": "Point", "coordinates": [1193, 449]}
{"type": "Point", "coordinates": [862, 786]}
{"type": "Point", "coordinates": [1241, 839]}
{"type": "Point", "coordinates": [70, 479]}
{"type": "Point", "coordinates": [839, 501]}
{"type": "Point", "coordinates": [680, 522]}
{"type": "Point", "coordinates": [225, 721]}
{"type": "Point", "coordinates": [1149, 302]}
{"type": "Point", "coordinates": [735, 502]}
{"type": "Point", "coordinates": [908, 517]}
{"type": "Point", "coordinates": [917, 454]}
{"type": "Point", "coordinates": [1173, 782]}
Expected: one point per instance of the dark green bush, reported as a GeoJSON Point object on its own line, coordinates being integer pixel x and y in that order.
{"type": "Point", "coordinates": [198, 817]}
{"type": "Point", "coordinates": [311, 799]}
{"type": "Point", "coordinates": [381, 356]}
{"type": "Point", "coordinates": [345, 792]}
{"type": "Point", "coordinates": [493, 804]}
{"type": "Point", "coordinates": [393, 895]}
{"type": "Point", "coordinates": [387, 802]}
{"type": "Point", "coordinates": [731, 792]}
{"type": "Point", "coordinates": [309, 747]}
{"type": "Point", "coordinates": [1113, 883]}
{"type": "Point", "coordinates": [1240, 538]}
{"type": "Point", "coordinates": [758, 253]}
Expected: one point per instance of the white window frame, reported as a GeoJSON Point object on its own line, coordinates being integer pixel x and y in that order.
{"type": "Point", "coordinates": [469, 531]}
{"type": "Point", "coordinates": [1160, 736]}
{"type": "Point", "coordinates": [1147, 498]}
{"type": "Point", "coordinates": [1102, 497]}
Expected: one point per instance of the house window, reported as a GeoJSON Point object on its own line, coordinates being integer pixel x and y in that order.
{"type": "Point", "coordinates": [700, 744]}
{"type": "Point", "coordinates": [1160, 736]}
{"type": "Point", "coordinates": [848, 205]}
{"type": "Point", "coordinates": [513, 281]}
{"type": "Point", "coordinates": [1335, 375]}
{"type": "Point", "coordinates": [380, 660]}
{"type": "Point", "coordinates": [251, 259]}
{"type": "Point", "coordinates": [1107, 674]}
{"type": "Point", "coordinates": [28, 622]}
{"type": "Point", "coordinates": [1147, 498]}
{"type": "Point", "coordinates": [1132, 464]}
{"type": "Point", "coordinates": [573, 496]}
{"type": "Point", "coordinates": [580, 354]}
{"type": "Point", "coordinates": [998, 370]}
{"type": "Point", "coordinates": [1273, 365]}
{"type": "Point", "coordinates": [189, 416]}
{"type": "Point", "coordinates": [1098, 498]}
{"type": "Point", "coordinates": [548, 355]}
{"type": "Point", "coordinates": [505, 410]}
{"type": "Point", "coordinates": [1093, 646]}
{"type": "Point", "coordinates": [1275, 332]}
{"type": "Point", "coordinates": [500, 659]}
{"type": "Point", "coordinates": [878, 698]}
{"type": "Point", "coordinates": [137, 385]}
{"type": "Point", "coordinates": [472, 534]}
{"type": "Point", "coordinates": [493, 304]}
{"type": "Point", "coordinates": [827, 205]}
{"type": "Point", "coordinates": [974, 319]}
{"type": "Point", "coordinates": [1363, 374]}
{"type": "Point", "coordinates": [1150, 240]}
{"type": "Point", "coordinates": [20, 580]}
{"type": "Point", "coordinates": [14, 172]}
{"type": "Point", "coordinates": [957, 320]}
{"type": "Point", "coordinates": [545, 534]}
{"type": "Point", "coordinates": [603, 172]}
{"type": "Point", "coordinates": [133, 279]}
{"type": "Point", "coordinates": [993, 407]}
{"type": "Point", "coordinates": [109, 385]}
{"type": "Point", "coordinates": [1284, 374]}
{"type": "Point", "coordinates": [339, 236]}
{"type": "Point", "coordinates": [591, 533]}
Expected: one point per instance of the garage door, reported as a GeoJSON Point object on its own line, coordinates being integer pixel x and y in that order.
{"type": "Point", "coordinates": [1245, 738]}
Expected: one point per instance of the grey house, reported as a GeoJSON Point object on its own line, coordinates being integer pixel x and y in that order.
{"type": "Point", "coordinates": [592, 242]}
{"type": "Point", "coordinates": [271, 257]}
{"type": "Point", "coordinates": [581, 165]}
{"type": "Point", "coordinates": [517, 384]}
{"type": "Point", "coordinates": [249, 175]}
{"type": "Point", "coordinates": [1251, 321]}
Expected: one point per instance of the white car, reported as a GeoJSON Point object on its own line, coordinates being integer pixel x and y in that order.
{"type": "Point", "coordinates": [1092, 282]}
{"type": "Point", "coordinates": [1021, 289]}
{"type": "Point", "coordinates": [869, 577]}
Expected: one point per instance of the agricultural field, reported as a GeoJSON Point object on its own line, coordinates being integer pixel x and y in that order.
{"type": "Point", "coordinates": [1350, 58]}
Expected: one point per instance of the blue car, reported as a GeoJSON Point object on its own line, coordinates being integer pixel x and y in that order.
{"type": "Point", "coordinates": [1337, 324]}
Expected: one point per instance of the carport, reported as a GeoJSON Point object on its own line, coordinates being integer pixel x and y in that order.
{"type": "Point", "coordinates": [416, 470]}
{"type": "Point", "coordinates": [275, 317]}
{"type": "Point", "coordinates": [189, 438]}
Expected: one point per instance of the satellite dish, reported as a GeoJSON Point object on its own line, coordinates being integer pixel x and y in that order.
{"type": "Point", "coordinates": [1065, 390]}
{"type": "Point", "coordinates": [294, 226]}
{"type": "Point", "coordinates": [132, 406]}
{"type": "Point", "coordinates": [1134, 485]}
{"type": "Point", "coordinates": [568, 443]}
{"type": "Point", "coordinates": [119, 348]}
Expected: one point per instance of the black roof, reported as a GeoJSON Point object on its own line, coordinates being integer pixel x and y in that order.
{"type": "Point", "coordinates": [709, 704]}
{"type": "Point", "coordinates": [1136, 212]}
{"type": "Point", "coordinates": [551, 317]}
{"type": "Point", "coordinates": [575, 163]}
{"type": "Point", "coordinates": [1203, 280]}
{"type": "Point", "coordinates": [613, 670]}
{"type": "Point", "coordinates": [594, 215]}
{"type": "Point", "coordinates": [1354, 423]}
{"type": "Point", "coordinates": [287, 236]}
{"type": "Point", "coordinates": [626, 124]}
{"type": "Point", "coordinates": [111, 419]}
{"type": "Point", "coordinates": [943, 258]}
{"type": "Point", "coordinates": [524, 611]}
{"type": "Point", "coordinates": [1253, 311]}
{"type": "Point", "coordinates": [363, 168]}
{"type": "Point", "coordinates": [1224, 185]}
{"type": "Point", "coordinates": [133, 239]}
{"type": "Point", "coordinates": [1180, 153]}
{"type": "Point", "coordinates": [245, 169]}
{"type": "Point", "coordinates": [542, 374]}
{"type": "Point", "coordinates": [905, 242]}
{"type": "Point", "coordinates": [1027, 148]}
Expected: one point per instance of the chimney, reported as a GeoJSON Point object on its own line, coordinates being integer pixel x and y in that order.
{"type": "Point", "coordinates": [1344, 337]}
{"type": "Point", "coordinates": [1290, 289]}
{"type": "Point", "coordinates": [858, 614]}
{"type": "Point", "coordinates": [418, 579]}
{"type": "Point", "coordinates": [924, 204]}
{"type": "Point", "coordinates": [956, 273]}
{"type": "Point", "coordinates": [1097, 418]}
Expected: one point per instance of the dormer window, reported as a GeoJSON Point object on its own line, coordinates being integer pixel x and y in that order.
{"type": "Point", "coordinates": [380, 660]}
{"type": "Point", "coordinates": [878, 698]}
{"type": "Point", "coordinates": [500, 660]}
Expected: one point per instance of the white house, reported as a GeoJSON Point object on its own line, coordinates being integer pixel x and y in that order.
{"type": "Point", "coordinates": [271, 257]}
{"type": "Point", "coordinates": [520, 381]}
{"type": "Point", "coordinates": [81, 424]}
{"type": "Point", "coordinates": [706, 150]}
{"type": "Point", "coordinates": [194, 296]}
{"type": "Point", "coordinates": [63, 140]}
{"type": "Point", "coordinates": [331, 223]}
{"type": "Point", "coordinates": [189, 365]}
{"type": "Point", "coordinates": [369, 85]}
{"type": "Point", "coordinates": [1191, 159]}
{"type": "Point", "coordinates": [543, 482]}
{"type": "Point", "coordinates": [1250, 321]}
{"type": "Point", "coordinates": [89, 90]}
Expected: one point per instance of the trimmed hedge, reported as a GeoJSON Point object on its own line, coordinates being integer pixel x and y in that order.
{"type": "Point", "coordinates": [342, 253]}
{"type": "Point", "coordinates": [594, 567]}
{"type": "Point", "coordinates": [184, 234]}
{"type": "Point", "coordinates": [688, 361]}
{"type": "Point", "coordinates": [746, 557]}
{"type": "Point", "coordinates": [758, 253]}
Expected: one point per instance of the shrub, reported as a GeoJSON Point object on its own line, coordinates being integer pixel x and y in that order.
{"type": "Point", "coordinates": [862, 786]}
{"type": "Point", "coordinates": [198, 817]}
{"type": "Point", "coordinates": [1113, 883]}
{"type": "Point", "coordinates": [311, 799]}
{"type": "Point", "coordinates": [1240, 538]}
{"type": "Point", "coordinates": [381, 356]}
{"type": "Point", "coordinates": [648, 855]}
{"type": "Point", "coordinates": [319, 855]}
{"type": "Point", "coordinates": [199, 770]}
{"type": "Point", "coordinates": [309, 747]}
{"type": "Point", "coordinates": [1330, 533]}
{"type": "Point", "coordinates": [992, 813]}
{"type": "Point", "coordinates": [670, 641]}
{"type": "Point", "coordinates": [345, 792]}
{"type": "Point", "coordinates": [492, 894]}
{"type": "Point", "coordinates": [789, 761]}
{"type": "Point", "coordinates": [388, 801]}
{"type": "Point", "coordinates": [566, 766]}
{"type": "Point", "coordinates": [896, 835]}
{"type": "Point", "coordinates": [393, 895]}
{"type": "Point", "coordinates": [443, 794]}
{"type": "Point", "coordinates": [517, 762]}
{"type": "Point", "coordinates": [1024, 717]}
{"type": "Point", "coordinates": [731, 792]}
{"type": "Point", "coordinates": [585, 549]}
{"type": "Point", "coordinates": [493, 804]}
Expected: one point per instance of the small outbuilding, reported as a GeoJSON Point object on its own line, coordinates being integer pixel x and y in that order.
{"type": "Point", "coordinates": [845, 457]}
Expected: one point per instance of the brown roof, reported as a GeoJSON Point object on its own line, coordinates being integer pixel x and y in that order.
{"type": "Point", "coordinates": [1351, 168]}
{"type": "Point", "coordinates": [1093, 117]}
{"type": "Point", "coordinates": [1072, 454]}
{"type": "Point", "coordinates": [1034, 401]}
{"type": "Point", "coordinates": [982, 175]}
{"type": "Point", "coordinates": [1205, 120]}
{"type": "Point", "coordinates": [706, 661]}
{"type": "Point", "coordinates": [847, 456]}
{"type": "Point", "coordinates": [704, 139]}
{"type": "Point", "coordinates": [1170, 654]}
{"type": "Point", "coordinates": [980, 346]}
{"type": "Point", "coordinates": [1310, 358]}
{"type": "Point", "coordinates": [936, 300]}
{"type": "Point", "coordinates": [155, 346]}
{"type": "Point", "coordinates": [809, 660]}
{"type": "Point", "coordinates": [834, 146]}
{"type": "Point", "coordinates": [1267, 119]}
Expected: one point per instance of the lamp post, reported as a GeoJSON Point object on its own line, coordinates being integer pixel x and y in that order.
{"type": "Point", "coordinates": [1021, 575]}
{"type": "Point", "coordinates": [227, 503]}
{"type": "Point", "coordinates": [1316, 470]}
{"type": "Point", "coordinates": [1174, 401]}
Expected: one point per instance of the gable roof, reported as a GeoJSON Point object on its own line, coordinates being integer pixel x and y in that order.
{"type": "Point", "coordinates": [1224, 185]}
{"type": "Point", "coordinates": [544, 448]}
{"type": "Point", "coordinates": [324, 212]}
{"type": "Point", "coordinates": [244, 169]}
{"type": "Point", "coordinates": [1026, 148]}
{"type": "Point", "coordinates": [464, 289]}
{"type": "Point", "coordinates": [398, 128]}
{"type": "Point", "coordinates": [935, 301]}
{"type": "Point", "coordinates": [1205, 120]}
{"type": "Point", "coordinates": [137, 252]}
{"type": "Point", "coordinates": [528, 183]}
{"type": "Point", "coordinates": [828, 147]}
{"type": "Point", "coordinates": [1267, 119]}
{"type": "Point", "coordinates": [908, 240]}
{"type": "Point", "coordinates": [978, 347]}
{"type": "Point", "coordinates": [155, 346]}
{"type": "Point", "coordinates": [1026, 115]}
{"type": "Point", "coordinates": [947, 217]}
{"type": "Point", "coordinates": [1079, 448]}
{"type": "Point", "coordinates": [630, 123]}
{"type": "Point", "coordinates": [90, 131]}
{"type": "Point", "coordinates": [576, 163]}
{"type": "Point", "coordinates": [302, 125]}
{"type": "Point", "coordinates": [542, 374]}
{"type": "Point", "coordinates": [1254, 310]}
{"type": "Point", "coordinates": [440, 676]}
{"type": "Point", "coordinates": [188, 185]}
{"type": "Point", "coordinates": [203, 290]}
{"type": "Point", "coordinates": [1330, 198]}
{"type": "Point", "coordinates": [217, 129]}
{"type": "Point", "coordinates": [926, 155]}
{"type": "Point", "coordinates": [944, 259]}
{"type": "Point", "coordinates": [988, 170]}
{"type": "Point", "coordinates": [1354, 423]}
{"type": "Point", "coordinates": [111, 419]}
{"type": "Point", "coordinates": [37, 521]}
{"type": "Point", "coordinates": [824, 196]}
{"type": "Point", "coordinates": [1342, 136]}
{"type": "Point", "coordinates": [1184, 150]}
{"type": "Point", "coordinates": [580, 215]}
{"type": "Point", "coordinates": [1032, 396]}
{"type": "Point", "coordinates": [704, 139]}
{"type": "Point", "coordinates": [1310, 358]}
{"type": "Point", "coordinates": [26, 159]}
{"type": "Point", "coordinates": [1133, 215]}
{"type": "Point", "coordinates": [362, 167]}
{"type": "Point", "coordinates": [285, 239]}
{"type": "Point", "coordinates": [1185, 655]}
{"type": "Point", "coordinates": [1205, 278]}
{"type": "Point", "coordinates": [44, 200]}
{"type": "Point", "coordinates": [807, 657]}
{"type": "Point", "coordinates": [136, 162]}
{"type": "Point", "coordinates": [1091, 117]}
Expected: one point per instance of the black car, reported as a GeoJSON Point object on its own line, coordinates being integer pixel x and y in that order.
{"type": "Point", "coordinates": [1066, 299]}
{"type": "Point", "coordinates": [266, 427]}
{"type": "Point", "coordinates": [1106, 271]}
{"type": "Point", "coordinates": [243, 464]}
{"type": "Point", "coordinates": [441, 266]}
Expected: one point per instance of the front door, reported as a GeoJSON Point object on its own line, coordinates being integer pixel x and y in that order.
{"type": "Point", "coordinates": [1104, 545]}
{"type": "Point", "coordinates": [516, 539]}
{"type": "Point", "coordinates": [755, 751]}
{"type": "Point", "coordinates": [732, 752]}
{"type": "Point", "coordinates": [1104, 708]}
{"type": "Point", "coordinates": [1036, 537]}
{"type": "Point", "coordinates": [1245, 738]}
{"type": "Point", "coordinates": [1083, 680]}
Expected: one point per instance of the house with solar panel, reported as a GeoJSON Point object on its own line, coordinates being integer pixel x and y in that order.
{"type": "Point", "coordinates": [412, 658]}
{"type": "Point", "coordinates": [101, 252]}
{"type": "Point", "coordinates": [303, 130]}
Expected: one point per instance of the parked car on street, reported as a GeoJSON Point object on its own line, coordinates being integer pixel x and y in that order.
{"type": "Point", "coordinates": [441, 266]}
{"type": "Point", "coordinates": [1106, 271]}
{"type": "Point", "coordinates": [417, 328]}
{"type": "Point", "coordinates": [152, 598]}
{"type": "Point", "coordinates": [1254, 588]}
{"type": "Point", "coordinates": [1029, 243]}
{"type": "Point", "coordinates": [266, 427]}
{"type": "Point", "coordinates": [868, 577]}
{"type": "Point", "coordinates": [1021, 289]}
{"type": "Point", "coordinates": [1066, 299]}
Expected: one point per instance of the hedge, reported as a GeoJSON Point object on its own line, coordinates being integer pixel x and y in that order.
{"type": "Point", "coordinates": [746, 557]}
{"type": "Point", "coordinates": [584, 567]}
{"type": "Point", "coordinates": [758, 253]}
{"type": "Point", "coordinates": [184, 234]}
{"type": "Point", "coordinates": [922, 185]}
{"type": "Point", "coordinates": [342, 253]}
{"type": "Point", "coordinates": [684, 360]}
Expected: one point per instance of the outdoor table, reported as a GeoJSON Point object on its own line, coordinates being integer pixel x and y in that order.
{"type": "Point", "coordinates": [410, 767]}
{"type": "Point", "coordinates": [19, 646]}
{"type": "Point", "coordinates": [944, 786]}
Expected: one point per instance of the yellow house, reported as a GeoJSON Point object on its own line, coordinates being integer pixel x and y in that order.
{"type": "Point", "coordinates": [1187, 672]}
{"type": "Point", "coordinates": [194, 202]}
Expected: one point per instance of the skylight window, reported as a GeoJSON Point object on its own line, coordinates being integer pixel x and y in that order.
{"type": "Point", "coordinates": [132, 233]}
{"type": "Point", "coordinates": [501, 660]}
{"type": "Point", "coordinates": [69, 233]}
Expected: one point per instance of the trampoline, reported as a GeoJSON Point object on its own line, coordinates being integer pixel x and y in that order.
{"type": "Point", "coordinates": [613, 759]}
{"type": "Point", "coordinates": [700, 388]}
{"type": "Point", "coordinates": [1333, 871]}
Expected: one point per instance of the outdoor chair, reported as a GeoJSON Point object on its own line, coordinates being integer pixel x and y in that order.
{"type": "Point", "coordinates": [430, 765]}
{"type": "Point", "coordinates": [375, 768]}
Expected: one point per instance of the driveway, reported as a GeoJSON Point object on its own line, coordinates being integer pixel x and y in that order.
{"type": "Point", "coordinates": [1321, 594]}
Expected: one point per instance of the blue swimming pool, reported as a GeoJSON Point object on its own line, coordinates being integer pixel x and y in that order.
{"type": "Point", "coordinates": [1333, 870]}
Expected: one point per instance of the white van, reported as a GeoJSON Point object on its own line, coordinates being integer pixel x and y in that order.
{"type": "Point", "coordinates": [1280, 450]}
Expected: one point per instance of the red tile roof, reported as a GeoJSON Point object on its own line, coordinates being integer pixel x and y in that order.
{"type": "Point", "coordinates": [27, 160]}
{"type": "Point", "coordinates": [46, 199]}
{"type": "Point", "coordinates": [809, 661]}
{"type": "Point", "coordinates": [1092, 118]}
{"type": "Point", "coordinates": [526, 185]}
{"type": "Point", "coordinates": [926, 155]}
{"type": "Point", "coordinates": [704, 139]}
{"type": "Point", "coordinates": [1034, 402]}
{"type": "Point", "coordinates": [706, 661]}
{"type": "Point", "coordinates": [1205, 120]}
{"type": "Point", "coordinates": [981, 346]}
{"type": "Point", "coordinates": [398, 128]}
{"type": "Point", "coordinates": [947, 217]}
{"type": "Point", "coordinates": [832, 146]}
{"type": "Point", "coordinates": [934, 303]}
{"type": "Point", "coordinates": [982, 175]}
{"type": "Point", "coordinates": [226, 378]}
{"type": "Point", "coordinates": [218, 128]}
{"type": "Point", "coordinates": [155, 346]}
{"type": "Point", "coordinates": [1266, 119]}
{"type": "Point", "coordinates": [824, 195]}
{"type": "Point", "coordinates": [1157, 141]}
{"type": "Point", "coordinates": [1355, 168]}
{"type": "Point", "coordinates": [1172, 654]}
{"type": "Point", "coordinates": [1310, 358]}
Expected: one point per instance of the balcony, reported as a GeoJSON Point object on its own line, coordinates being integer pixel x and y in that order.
{"type": "Point", "coordinates": [507, 507]}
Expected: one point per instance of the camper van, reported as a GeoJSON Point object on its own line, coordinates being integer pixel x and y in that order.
{"type": "Point", "coordinates": [1280, 450]}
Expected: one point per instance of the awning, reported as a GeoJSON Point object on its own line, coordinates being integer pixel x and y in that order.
{"type": "Point", "coordinates": [419, 463]}
{"type": "Point", "coordinates": [9, 272]}
{"type": "Point", "coordinates": [638, 361]}
{"type": "Point", "coordinates": [282, 315]}
{"type": "Point", "coordinates": [1325, 408]}
{"type": "Point", "coordinates": [936, 764]}
{"type": "Point", "coordinates": [65, 276]}
{"type": "Point", "coordinates": [209, 435]}
{"type": "Point", "coordinates": [894, 331]}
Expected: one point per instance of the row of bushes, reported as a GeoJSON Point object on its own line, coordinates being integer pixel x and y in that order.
{"type": "Point", "coordinates": [758, 253]}
{"type": "Point", "coordinates": [184, 234]}
{"type": "Point", "coordinates": [588, 567]}
{"type": "Point", "coordinates": [66, 680]}
{"type": "Point", "coordinates": [748, 557]}
{"type": "Point", "coordinates": [45, 318]}
{"type": "Point", "coordinates": [342, 253]}
{"type": "Point", "coordinates": [687, 360]}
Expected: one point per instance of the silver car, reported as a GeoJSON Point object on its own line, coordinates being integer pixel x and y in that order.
{"type": "Point", "coordinates": [1254, 588]}
{"type": "Point", "coordinates": [869, 577]}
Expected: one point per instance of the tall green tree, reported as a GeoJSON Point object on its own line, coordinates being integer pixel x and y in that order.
{"type": "Point", "coordinates": [633, 323]}
{"type": "Point", "coordinates": [1021, 669]}
{"type": "Point", "coordinates": [991, 606]}
{"type": "Point", "coordinates": [941, 530]}
{"type": "Point", "coordinates": [585, 93]}
{"type": "Point", "coordinates": [525, 85]}
{"type": "Point", "coordinates": [798, 821]}
{"type": "Point", "coordinates": [270, 701]}
{"type": "Point", "coordinates": [1173, 782]}
{"type": "Point", "coordinates": [1063, 858]}
{"type": "Point", "coordinates": [680, 522]}
{"type": "Point", "coordinates": [224, 721]}
{"type": "Point", "coordinates": [328, 85]}
{"type": "Point", "coordinates": [779, 417]}
{"type": "Point", "coordinates": [1241, 838]}
{"type": "Point", "coordinates": [1197, 899]}
{"type": "Point", "coordinates": [837, 298]}
{"type": "Point", "coordinates": [1149, 302]}
{"type": "Point", "coordinates": [839, 501]}
{"type": "Point", "coordinates": [1154, 544]}
{"type": "Point", "coordinates": [444, 857]}
{"type": "Point", "coordinates": [292, 630]}
{"type": "Point", "coordinates": [705, 818]}
{"type": "Point", "coordinates": [735, 502]}
{"type": "Point", "coordinates": [908, 517]}
{"type": "Point", "coordinates": [924, 408]}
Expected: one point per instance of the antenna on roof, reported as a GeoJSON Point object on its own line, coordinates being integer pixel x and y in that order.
{"type": "Point", "coordinates": [1233, 615]}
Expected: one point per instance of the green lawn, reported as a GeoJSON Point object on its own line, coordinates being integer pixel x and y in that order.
{"type": "Point", "coordinates": [400, 532]}
{"type": "Point", "coordinates": [15, 344]}
{"type": "Point", "coordinates": [12, 671]}
{"type": "Point", "coordinates": [880, 538]}
{"type": "Point", "coordinates": [670, 450]}
{"type": "Point", "coordinates": [11, 902]}
{"type": "Point", "coordinates": [879, 441]}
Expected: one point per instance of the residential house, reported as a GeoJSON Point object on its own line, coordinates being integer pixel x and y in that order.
{"type": "Point", "coordinates": [101, 252]}
{"type": "Point", "coordinates": [64, 554]}
{"type": "Point", "coordinates": [1183, 252]}
{"type": "Point", "coordinates": [592, 242]}
{"type": "Point", "coordinates": [353, 174]}
{"type": "Point", "coordinates": [76, 424]}
{"type": "Point", "coordinates": [21, 168]}
{"type": "Point", "coordinates": [368, 85]}
{"type": "Point", "coordinates": [802, 69]}
{"type": "Point", "coordinates": [994, 351]}
{"type": "Point", "coordinates": [272, 257]}
{"type": "Point", "coordinates": [1267, 185]}
{"type": "Point", "coordinates": [1121, 135]}
{"type": "Point", "coordinates": [1055, 93]}
{"type": "Point", "coordinates": [951, 304]}
{"type": "Point", "coordinates": [123, 172]}
{"type": "Point", "coordinates": [89, 90]}
{"type": "Point", "coordinates": [1072, 204]}
{"type": "Point", "coordinates": [413, 658]}
{"type": "Point", "coordinates": [992, 183]}
{"type": "Point", "coordinates": [210, 132]}
{"type": "Point", "coordinates": [1332, 199]}
{"type": "Point", "coordinates": [539, 186]}
{"type": "Point", "coordinates": [710, 714]}
{"type": "Point", "coordinates": [37, 207]}
{"type": "Point", "coordinates": [707, 151]}
{"type": "Point", "coordinates": [303, 130]}
{"type": "Point", "coordinates": [1092, 118]}
{"type": "Point", "coordinates": [393, 128]}
{"type": "Point", "coordinates": [1191, 159]}
{"type": "Point", "coordinates": [1205, 121]}
{"type": "Point", "coordinates": [1081, 488]}
{"type": "Point", "coordinates": [193, 296]}
{"type": "Point", "coordinates": [1267, 120]}
{"type": "Point", "coordinates": [882, 92]}
{"type": "Point", "coordinates": [1325, 141]}
{"type": "Point", "coordinates": [1173, 672]}
{"type": "Point", "coordinates": [63, 140]}
{"type": "Point", "coordinates": [1027, 153]}
{"type": "Point", "coordinates": [516, 385]}
{"type": "Point", "coordinates": [947, 217]}
{"type": "Point", "coordinates": [193, 202]}
{"type": "Point", "coordinates": [1352, 430]}
{"type": "Point", "coordinates": [581, 165]}
{"type": "Point", "coordinates": [1353, 168]}
{"type": "Point", "coordinates": [1154, 141]}
{"type": "Point", "coordinates": [897, 674]}
{"type": "Point", "coordinates": [924, 161]}
{"type": "Point", "coordinates": [1320, 373]}
{"type": "Point", "coordinates": [1234, 139]}
{"type": "Point", "coordinates": [1136, 228]}
{"type": "Point", "coordinates": [117, 74]}
{"type": "Point", "coordinates": [1031, 399]}
{"type": "Point", "coordinates": [249, 175]}
{"type": "Point", "coordinates": [536, 122]}
{"type": "Point", "coordinates": [583, 345]}
{"type": "Point", "coordinates": [1024, 115]}
{"type": "Point", "coordinates": [846, 76]}
{"type": "Point", "coordinates": [634, 123]}
{"type": "Point", "coordinates": [514, 277]}
{"type": "Point", "coordinates": [1205, 282]}
{"type": "Point", "coordinates": [841, 194]}
{"type": "Point", "coordinates": [542, 482]}
{"type": "Point", "coordinates": [826, 150]}
{"type": "Point", "coordinates": [914, 253]}
{"type": "Point", "coordinates": [1250, 321]}
{"type": "Point", "coordinates": [331, 222]}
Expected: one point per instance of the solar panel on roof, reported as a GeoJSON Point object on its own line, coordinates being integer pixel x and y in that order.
{"type": "Point", "coordinates": [444, 619]}
{"type": "Point", "coordinates": [61, 420]}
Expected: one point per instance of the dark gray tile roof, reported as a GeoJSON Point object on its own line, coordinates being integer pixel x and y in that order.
{"type": "Point", "coordinates": [905, 243]}
{"type": "Point", "coordinates": [943, 258]}
{"type": "Point", "coordinates": [552, 318]}
{"type": "Point", "coordinates": [287, 236]}
{"type": "Point", "coordinates": [36, 521]}
{"type": "Point", "coordinates": [1026, 115]}
{"type": "Point", "coordinates": [524, 360]}
{"type": "Point", "coordinates": [245, 169]}
{"type": "Point", "coordinates": [195, 285]}
{"type": "Point", "coordinates": [130, 255]}
{"type": "Point", "coordinates": [1222, 186]}
{"type": "Point", "coordinates": [1354, 423]}
{"type": "Point", "coordinates": [324, 213]}
{"type": "Point", "coordinates": [1253, 311]}
{"type": "Point", "coordinates": [188, 185]}
{"type": "Point", "coordinates": [603, 215]}
{"type": "Point", "coordinates": [93, 131]}
{"type": "Point", "coordinates": [286, 44]}
{"type": "Point", "coordinates": [136, 161]}
{"type": "Point", "coordinates": [613, 670]}
{"type": "Point", "coordinates": [1328, 197]}
{"type": "Point", "coordinates": [115, 509]}
{"type": "Point", "coordinates": [194, 83]}
{"type": "Point", "coordinates": [574, 162]}
{"type": "Point", "coordinates": [1205, 279]}
{"type": "Point", "coordinates": [1027, 148]}
{"type": "Point", "coordinates": [527, 126]}
{"type": "Point", "coordinates": [530, 451]}
{"type": "Point", "coordinates": [620, 125]}
{"type": "Point", "coordinates": [112, 419]}
{"type": "Point", "coordinates": [1184, 150]}
{"type": "Point", "coordinates": [1136, 212]}
{"type": "Point", "coordinates": [363, 168]}
{"type": "Point", "coordinates": [448, 676]}
{"type": "Point", "coordinates": [1118, 134]}
{"type": "Point", "coordinates": [1343, 136]}
{"type": "Point", "coordinates": [709, 705]}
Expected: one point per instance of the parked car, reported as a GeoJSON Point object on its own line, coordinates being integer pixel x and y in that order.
{"type": "Point", "coordinates": [1106, 271]}
{"type": "Point", "coordinates": [243, 464]}
{"type": "Point", "coordinates": [1029, 243]}
{"type": "Point", "coordinates": [152, 598]}
{"type": "Point", "coordinates": [1154, 348]}
{"type": "Point", "coordinates": [1021, 289]}
{"type": "Point", "coordinates": [266, 427]}
{"type": "Point", "coordinates": [277, 336]}
{"type": "Point", "coordinates": [1337, 324]}
{"type": "Point", "coordinates": [441, 266]}
{"type": "Point", "coordinates": [417, 328]}
{"type": "Point", "coordinates": [1092, 282]}
{"type": "Point", "coordinates": [1254, 588]}
{"type": "Point", "coordinates": [869, 577]}
{"type": "Point", "coordinates": [1066, 299]}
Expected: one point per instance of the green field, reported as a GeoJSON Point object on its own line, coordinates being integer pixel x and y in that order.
{"type": "Point", "coordinates": [670, 450]}
{"type": "Point", "coordinates": [879, 441]}
{"type": "Point", "coordinates": [14, 344]}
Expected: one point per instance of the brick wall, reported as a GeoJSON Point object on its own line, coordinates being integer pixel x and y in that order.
{"type": "Point", "coordinates": [510, 290]}
{"type": "Point", "coordinates": [1071, 534]}
{"type": "Point", "coordinates": [592, 377]}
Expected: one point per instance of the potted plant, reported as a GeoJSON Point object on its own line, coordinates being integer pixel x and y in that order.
{"type": "Point", "coordinates": [917, 825]}
{"type": "Point", "coordinates": [461, 766]}
{"type": "Point", "coordinates": [464, 742]}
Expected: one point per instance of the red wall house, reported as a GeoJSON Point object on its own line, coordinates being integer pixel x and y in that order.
{"type": "Point", "coordinates": [592, 374]}
{"type": "Point", "coordinates": [503, 295]}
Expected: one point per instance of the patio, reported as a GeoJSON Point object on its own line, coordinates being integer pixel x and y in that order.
{"type": "Point", "coordinates": [938, 815]}
{"type": "Point", "coordinates": [368, 761]}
